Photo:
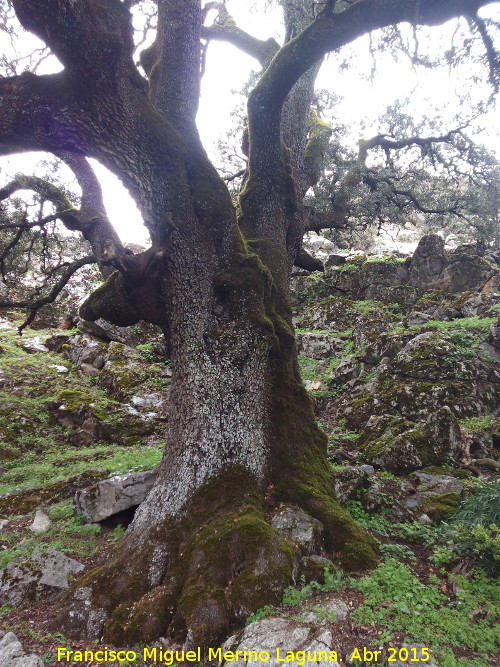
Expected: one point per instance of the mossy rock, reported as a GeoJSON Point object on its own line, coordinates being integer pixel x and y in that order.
{"type": "Point", "coordinates": [438, 507]}
{"type": "Point", "coordinates": [23, 501]}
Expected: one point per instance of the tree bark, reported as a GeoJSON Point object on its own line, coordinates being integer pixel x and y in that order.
{"type": "Point", "coordinates": [200, 554]}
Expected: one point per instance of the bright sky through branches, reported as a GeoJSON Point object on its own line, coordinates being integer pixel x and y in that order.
{"type": "Point", "coordinates": [363, 100]}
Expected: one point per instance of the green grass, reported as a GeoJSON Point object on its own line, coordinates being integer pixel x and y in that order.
{"type": "Point", "coordinates": [59, 464]}
{"type": "Point", "coordinates": [395, 599]}
{"type": "Point", "coordinates": [68, 534]}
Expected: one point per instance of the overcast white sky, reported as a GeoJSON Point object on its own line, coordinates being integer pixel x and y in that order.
{"type": "Point", "coordinates": [362, 100]}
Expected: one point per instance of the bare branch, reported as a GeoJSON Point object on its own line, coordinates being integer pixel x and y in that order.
{"type": "Point", "coordinates": [34, 306]}
{"type": "Point", "coordinates": [491, 53]}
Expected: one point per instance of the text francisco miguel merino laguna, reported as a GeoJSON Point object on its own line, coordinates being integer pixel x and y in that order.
{"type": "Point", "coordinates": [169, 657]}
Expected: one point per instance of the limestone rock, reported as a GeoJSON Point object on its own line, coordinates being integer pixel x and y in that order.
{"type": "Point", "coordinates": [32, 345]}
{"type": "Point", "coordinates": [83, 350]}
{"type": "Point", "coordinates": [318, 346]}
{"type": "Point", "coordinates": [41, 522]}
{"type": "Point", "coordinates": [348, 480]}
{"type": "Point", "coordinates": [428, 262]}
{"type": "Point", "coordinates": [298, 526]}
{"type": "Point", "coordinates": [281, 635]}
{"type": "Point", "coordinates": [114, 495]}
{"type": "Point", "coordinates": [44, 575]}
{"type": "Point", "coordinates": [22, 501]}
{"type": "Point", "coordinates": [467, 271]}
{"type": "Point", "coordinates": [330, 611]}
{"type": "Point", "coordinates": [12, 653]}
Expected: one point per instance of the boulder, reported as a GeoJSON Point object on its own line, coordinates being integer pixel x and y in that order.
{"type": "Point", "coordinates": [318, 345]}
{"type": "Point", "coordinates": [22, 501]}
{"type": "Point", "coordinates": [348, 480]}
{"type": "Point", "coordinates": [32, 345]}
{"type": "Point", "coordinates": [114, 495]}
{"type": "Point", "coordinates": [84, 350]}
{"type": "Point", "coordinates": [44, 575]}
{"type": "Point", "coordinates": [428, 262]}
{"type": "Point", "coordinates": [299, 527]}
{"type": "Point", "coordinates": [436, 496]}
{"type": "Point", "coordinates": [12, 653]}
{"type": "Point", "coordinates": [41, 522]}
{"type": "Point", "coordinates": [430, 443]}
{"type": "Point", "coordinates": [278, 636]}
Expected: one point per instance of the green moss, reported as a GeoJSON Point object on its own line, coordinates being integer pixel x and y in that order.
{"type": "Point", "coordinates": [438, 507]}
{"type": "Point", "coordinates": [111, 302]}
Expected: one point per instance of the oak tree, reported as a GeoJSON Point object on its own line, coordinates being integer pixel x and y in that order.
{"type": "Point", "coordinates": [200, 554]}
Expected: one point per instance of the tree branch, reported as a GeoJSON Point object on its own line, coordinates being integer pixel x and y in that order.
{"type": "Point", "coordinates": [34, 306]}
{"type": "Point", "coordinates": [262, 50]}
{"type": "Point", "coordinates": [329, 32]}
{"type": "Point", "coordinates": [82, 34]}
{"type": "Point", "coordinates": [65, 210]}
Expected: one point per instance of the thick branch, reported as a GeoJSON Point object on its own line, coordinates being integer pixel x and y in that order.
{"type": "Point", "coordinates": [91, 39]}
{"type": "Point", "coordinates": [65, 210]}
{"type": "Point", "coordinates": [329, 32]}
{"type": "Point", "coordinates": [261, 50]}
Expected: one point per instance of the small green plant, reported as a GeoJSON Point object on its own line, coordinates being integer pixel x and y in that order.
{"type": "Point", "coordinates": [118, 532]}
{"type": "Point", "coordinates": [4, 609]}
{"type": "Point", "coordinates": [263, 612]}
{"type": "Point", "coordinates": [146, 351]}
{"type": "Point", "coordinates": [395, 599]}
{"type": "Point", "coordinates": [399, 551]}
{"type": "Point", "coordinates": [482, 507]}
{"type": "Point", "coordinates": [386, 476]}
{"type": "Point", "coordinates": [375, 522]}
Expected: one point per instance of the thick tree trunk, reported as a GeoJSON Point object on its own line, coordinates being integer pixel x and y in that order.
{"type": "Point", "coordinates": [242, 438]}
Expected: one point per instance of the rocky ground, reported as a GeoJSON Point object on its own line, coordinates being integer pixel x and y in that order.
{"type": "Point", "coordinates": [401, 357]}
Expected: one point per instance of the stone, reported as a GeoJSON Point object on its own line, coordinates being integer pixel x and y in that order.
{"type": "Point", "coordinates": [436, 496]}
{"type": "Point", "coordinates": [345, 371]}
{"type": "Point", "coordinates": [424, 520]}
{"type": "Point", "coordinates": [44, 575]}
{"type": "Point", "coordinates": [335, 260]}
{"type": "Point", "coordinates": [299, 527]}
{"type": "Point", "coordinates": [12, 653]}
{"type": "Point", "coordinates": [23, 501]}
{"type": "Point", "coordinates": [114, 495]}
{"type": "Point", "coordinates": [319, 346]}
{"type": "Point", "coordinates": [41, 522]}
{"type": "Point", "coordinates": [428, 262]}
{"type": "Point", "coordinates": [89, 369]}
{"type": "Point", "coordinates": [466, 271]}
{"type": "Point", "coordinates": [277, 636]}
{"type": "Point", "coordinates": [83, 350]}
{"type": "Point", "coordinates": [32, 345]}
{"type": "Point", "coordinates": [59, 368]}
{"type": "Point", "coordinates": [348, 480]}
{"type": "Point", "coordinates": [312, 568]}
{"type": "Point", "coordinates": [330, 611]}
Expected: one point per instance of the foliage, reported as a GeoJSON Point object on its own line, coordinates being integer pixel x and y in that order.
{"type": "Point", "coordinates": [397, 600]}
{"type": "Point", "coordinates": [481, 507]}
{"type": "Point", "coordinates": [68, 533]}
{"type": "Point", "coordinates": [375, 522]}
